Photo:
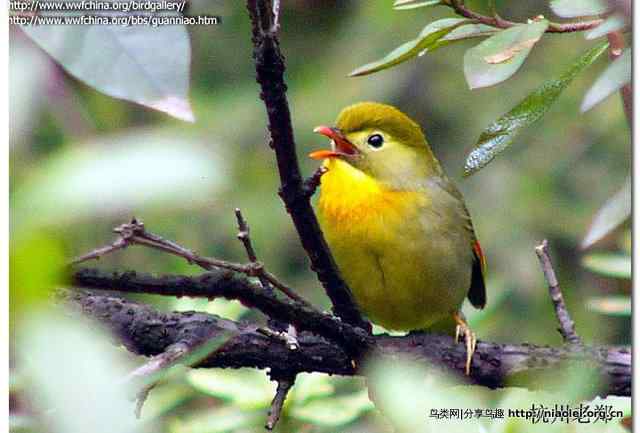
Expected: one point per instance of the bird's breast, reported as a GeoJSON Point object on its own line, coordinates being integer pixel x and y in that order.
{"type": "Point", "coordinates": [401, 263]}
{"type": "Point", "coordinates": [354, 205]}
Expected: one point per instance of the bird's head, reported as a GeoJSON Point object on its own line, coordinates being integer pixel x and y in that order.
{"type": "Point", "coordinates": [382, 142]}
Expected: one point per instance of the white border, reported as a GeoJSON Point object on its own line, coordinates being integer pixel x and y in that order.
{"type": "Point", "coordinates": [4, 214]}
{"type": "Point", "coordinates": [635, 220]}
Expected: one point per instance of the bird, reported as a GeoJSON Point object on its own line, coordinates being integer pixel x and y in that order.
{"type": "Point", "coordinates": [397, 227]}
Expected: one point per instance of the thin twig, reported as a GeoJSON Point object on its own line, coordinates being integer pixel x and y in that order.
{"type": "Point", "coordinates": [152, 367]}
{"type": "Point", "coordinates": [567, 327]}
{"type": "Point", "coordinates": [285, 383]}
{"type": "Point", "coordinates": [500, 23]}
{"type": "Point", "coordinates": [118, 244]}
{"type": "Point", "coordinates": [311, 183]}
{"type": "Point", "coordinates": [187, 352]}
{"type": "Point", "coordinates": [135, 233]}
{"type": "Point", "coordinates": [244, 235]}
{"type": "Point", "coordinates": [141, 398]}
{"type": "Point", "coordinates": [257, 268]}
{"type": "Point", "coordinates": [276, 16]}
{"type": "Point", "coordinates": [159, 362]}
{"type": "Point", "coordinates": [288, 337]}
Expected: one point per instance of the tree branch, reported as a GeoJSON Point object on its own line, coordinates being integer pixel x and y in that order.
{"type": "Point", "coordinates": [500, 23]}
{"type": "Point", "coordinates": [270, 68]}
{"type": "Point", "coordinates": [148, 332]}
{"type": "Point", "coordinates": [230, 285]}
{"type": "Point", "coordinates": [567, 327]}
{"type": "Point", "coordinates": [312, 183]}
{"type": "Point", "coordinates": [185, 352]}
{"type": "Point", "coordinates": [154, 366]}
{"type": "Point", "coordinates": [285, 382]}
{"type": "Point", "coordinates": [266, 278]}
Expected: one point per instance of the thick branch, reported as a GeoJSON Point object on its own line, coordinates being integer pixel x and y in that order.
{"type": "Point", "coordinates": [270, 69]}
{"type": "Point", "coordinates": [148, 332]}
{"type": "Point", "coordinates": [227, 284]}
{"type": "Point", "coordinates": [567, 327]}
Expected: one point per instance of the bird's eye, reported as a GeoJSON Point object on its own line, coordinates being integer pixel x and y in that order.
{"type": "Point", "coordinates": [375, 141]}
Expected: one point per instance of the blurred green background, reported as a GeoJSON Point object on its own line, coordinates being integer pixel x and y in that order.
{"type": "Point", "coordinates": [82, 163]}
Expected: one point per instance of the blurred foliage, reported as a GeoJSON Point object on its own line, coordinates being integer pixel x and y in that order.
{"type": "Point", "coordinates": [614, 212]}
{"type": "Point", "coordinates": [617, 74]}
{"type": "Point", "coordinates": [427, 393]}
{"type": "Point", "coordinates": [83, 162]}
{"type": "Point", "coordinates": [612, 265]}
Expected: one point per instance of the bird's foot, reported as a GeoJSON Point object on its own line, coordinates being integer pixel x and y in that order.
{"type": "Point", "coordinates": [462, 329]}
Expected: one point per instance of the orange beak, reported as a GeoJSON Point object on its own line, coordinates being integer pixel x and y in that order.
{"type": "Point", "coordinates": [340, 145]}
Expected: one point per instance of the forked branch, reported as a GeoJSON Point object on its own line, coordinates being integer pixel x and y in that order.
{"type": "Point", "coordinates": [567, 327]}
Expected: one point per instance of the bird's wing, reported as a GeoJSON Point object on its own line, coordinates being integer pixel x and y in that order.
{"type": "Point", "coordinates": [477, 291]}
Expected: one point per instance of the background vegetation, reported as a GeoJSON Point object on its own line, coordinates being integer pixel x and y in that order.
{"type": "Point", "coordinates": [83, 162]}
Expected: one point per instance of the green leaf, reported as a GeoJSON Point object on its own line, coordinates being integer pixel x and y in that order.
{"type": "Point", "coordinates": [144, 64]}
{"type": "Point", "coordinates": [499, 135]}
{"type": "Point", "coordinates": [611, 305]}
{"type": "Point", "coordinates": [500, 56]}
{"type": "Point", "coordinates": [578, 8]}
{"type": "Point", "coordinates": [425, 40]}
{"type": "Point", "coordinates": [333, 412]}
{"type": "Point", "coordinates": [613, 213]}
{"type": "Point", "coordinates": [614, 265]}
{"type": "Point", "coordinates": [464, 32]}
{"type": "Point", "coordinates": [611, 24]}
{"type": "Point", "coordinates": [617, 74]}
{"type": "Point", "coordinates": [246, 388]}
{"type": "Point", "coordinates": [400, 5]}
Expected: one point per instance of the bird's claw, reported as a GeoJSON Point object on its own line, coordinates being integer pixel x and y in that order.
{"type": "Point", "coordinates": [462, 329]}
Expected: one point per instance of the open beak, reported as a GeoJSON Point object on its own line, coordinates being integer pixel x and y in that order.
{"type": "Point", "coordinates": [340, 146]}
